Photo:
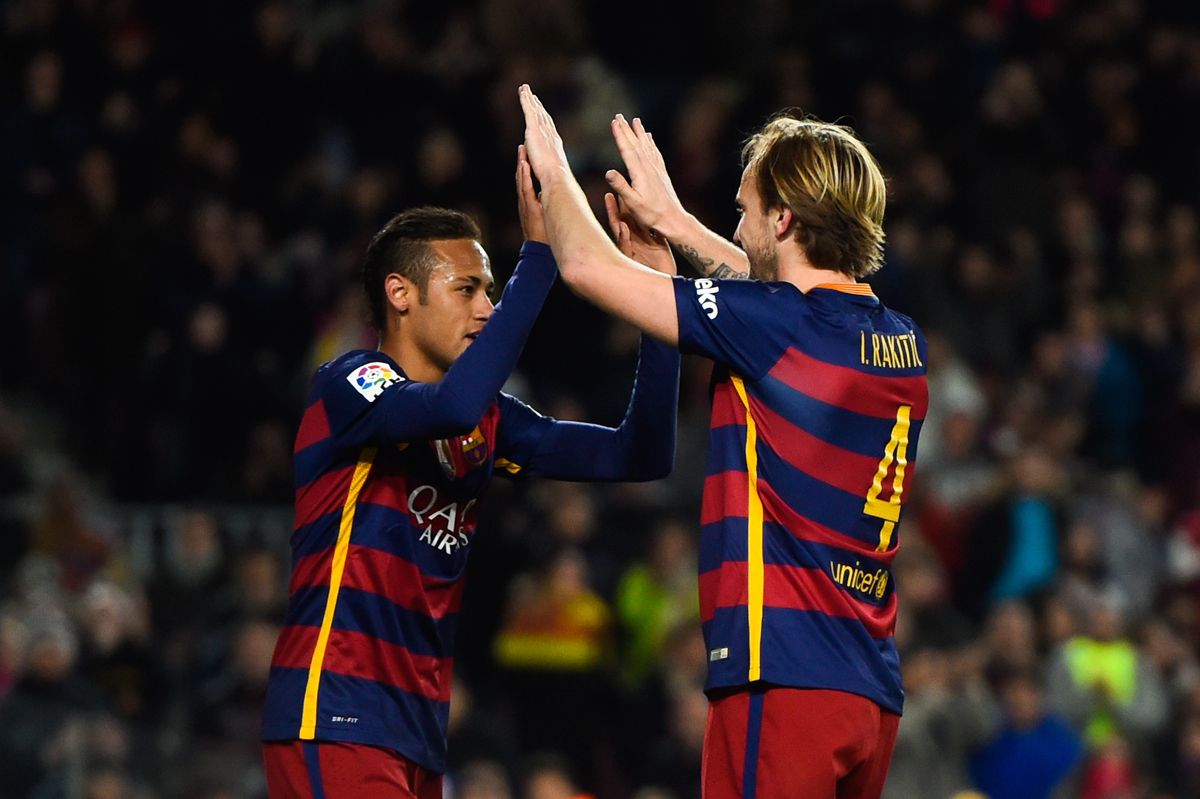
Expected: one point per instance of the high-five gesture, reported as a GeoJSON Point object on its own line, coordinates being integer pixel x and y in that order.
{"type": "Point", "coordinates": [642, 245]}
{"type": "Point", "coordinates": [650, 198]}
{"type": "Point", "coordinates": [529, 208]}
{"type": "Point", "coordinates": [543, 145]}
{"type": "Point", "coordinates": [631, 282]}
{"type": "Point", "coordinates": [648, 194]}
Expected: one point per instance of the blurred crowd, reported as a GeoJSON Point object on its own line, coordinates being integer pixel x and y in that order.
{"type": "Point", "coordinates": [187, 190]}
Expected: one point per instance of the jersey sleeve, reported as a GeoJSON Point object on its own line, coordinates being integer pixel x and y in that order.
{"type": "Point", "coordinates": [368, 401]}
{"type": "Point", "coordinates": [742, 324]}
{"type": "Point", "coordinates": [642, 447]}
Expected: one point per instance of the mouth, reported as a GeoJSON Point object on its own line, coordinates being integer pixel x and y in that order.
{"type": "Point", "coordinates": [472, 336]}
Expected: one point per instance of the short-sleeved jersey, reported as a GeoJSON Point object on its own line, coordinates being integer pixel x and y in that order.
{"type": "Point", "coordinates": [817, 405]}
{"type": "Point", "coordinates": [382, 534]}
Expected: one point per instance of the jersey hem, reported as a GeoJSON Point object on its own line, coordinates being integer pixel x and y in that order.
{"type": "Point", "coordinates": [288, 732]}
{"type": "Point", "coordinates": [735, 687]}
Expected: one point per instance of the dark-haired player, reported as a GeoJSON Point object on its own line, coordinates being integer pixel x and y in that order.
{"type": "Point", "coordinates": [818, 398]}
{"type": "Point", "coordinates": [393, 452]}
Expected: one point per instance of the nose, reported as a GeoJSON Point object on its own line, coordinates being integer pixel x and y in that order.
{"type": "Point", "coordinates": [737, 234]}
{"type": "Point", "coordinates": [484, 307]}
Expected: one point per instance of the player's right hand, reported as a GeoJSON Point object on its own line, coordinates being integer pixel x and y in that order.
{"type": "Point", "coordinates": [648, 194]}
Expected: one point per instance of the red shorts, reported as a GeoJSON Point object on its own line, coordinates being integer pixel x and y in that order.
{"type": "Point", "coordinates": [329, 770]}
{"type": "Point", "coordinates": [793, 743]}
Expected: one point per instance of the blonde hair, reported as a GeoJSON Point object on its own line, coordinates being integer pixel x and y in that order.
{"type": "Point", "coordinates": [831, 183]}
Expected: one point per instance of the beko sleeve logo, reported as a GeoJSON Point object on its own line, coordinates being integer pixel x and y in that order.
{"type": "Point", "coordinates": [706, 292]}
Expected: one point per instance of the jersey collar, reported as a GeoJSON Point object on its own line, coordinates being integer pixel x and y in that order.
{"type": "Point", "coordinates": [861, 289]}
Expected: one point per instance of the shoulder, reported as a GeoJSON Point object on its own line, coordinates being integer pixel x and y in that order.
{"type": "Point", "coordinates": [904, 324]}
{"type": "Point", "coordinates": [744, 295]}
{"type": "Point", "coordinates": [368, 372]}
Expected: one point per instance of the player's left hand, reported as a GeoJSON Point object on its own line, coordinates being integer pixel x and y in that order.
{"type": "Point", "coordinates": [543, 145]}
{"type": "Point", "coordinates": [635, 241]}
{"type": "Point", "coordinates": [529, 207]}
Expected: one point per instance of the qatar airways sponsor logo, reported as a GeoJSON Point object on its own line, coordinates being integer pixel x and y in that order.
{"type": "Point", "coordinates": [444, 523]}
{"type": "Point", "coordinates": [706, 293]}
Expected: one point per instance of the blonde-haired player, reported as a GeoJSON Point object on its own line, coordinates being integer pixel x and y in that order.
{"type": "Point", "coordinates": [818, 397]}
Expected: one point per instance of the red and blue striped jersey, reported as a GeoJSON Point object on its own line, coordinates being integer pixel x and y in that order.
{"type": "Point", "coordinates": [382, 534]}
{"type": "Point", "coordinates": [817, 406]}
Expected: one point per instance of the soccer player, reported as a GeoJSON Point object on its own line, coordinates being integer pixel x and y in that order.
{"type": "Point", "coordinates": [391, 458]}
{"type": "Point", "coordinates": [817, 401]}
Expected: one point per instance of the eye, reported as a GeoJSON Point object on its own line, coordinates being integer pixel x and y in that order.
{"type": "Point", "coordinates": [468, 290]}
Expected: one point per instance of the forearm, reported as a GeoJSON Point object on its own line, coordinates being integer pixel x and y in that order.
{"type": "Point", "coordinates": [641, 448]}
{"type": "Point", "coordinates": [711, 255]}
{"type": "Point", "coordinates": [580, 245]}
{"type": "Point", "coordinates": [594, 268]}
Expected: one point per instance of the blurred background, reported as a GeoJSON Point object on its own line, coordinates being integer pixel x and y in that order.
{"type": "Point", "coordinates": [187, 189]}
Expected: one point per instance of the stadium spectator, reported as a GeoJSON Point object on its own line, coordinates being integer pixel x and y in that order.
{"type": "Point", "coordinates": [147, 150]}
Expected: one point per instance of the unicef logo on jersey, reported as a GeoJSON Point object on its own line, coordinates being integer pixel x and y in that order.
{"type": "Point", "coordinates": [371, 379]}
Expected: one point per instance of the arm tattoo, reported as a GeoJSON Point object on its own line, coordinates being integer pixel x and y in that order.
{"type": "Point", "coordinates": [705, 265]}
{"type": "Point", "coordinates": [702, 264]}
{"type": "Point", "coordinates": [727, 272]}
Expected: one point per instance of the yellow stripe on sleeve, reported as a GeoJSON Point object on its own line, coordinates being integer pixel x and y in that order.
{"type": "Point", "coordinates": [308, 719]}
{"type": "Point", "coordinates": [754, 541]}
{"type": "Point", "coordinates": [507, 465]}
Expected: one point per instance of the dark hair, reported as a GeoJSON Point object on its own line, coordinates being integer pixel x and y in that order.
{"type": "Point", "coordinates": [402, 246]}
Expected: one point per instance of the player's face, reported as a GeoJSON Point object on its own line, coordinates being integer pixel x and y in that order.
{"type": "Point", "coordinates": [457, 301]}
{"type": "Point", "coordinates": [754, 231]}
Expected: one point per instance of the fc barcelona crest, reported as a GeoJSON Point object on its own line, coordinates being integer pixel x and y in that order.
{"type": "Point", "coordinates": [462, 454]}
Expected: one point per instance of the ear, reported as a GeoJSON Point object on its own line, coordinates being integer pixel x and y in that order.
{"type": "Point", "coordinates": [783, 219]}
{"type": "Point", "coordinates": [399, 292]}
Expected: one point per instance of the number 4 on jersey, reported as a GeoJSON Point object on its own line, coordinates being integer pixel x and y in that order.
{"type": "Point", "coordinates": [896, 452]}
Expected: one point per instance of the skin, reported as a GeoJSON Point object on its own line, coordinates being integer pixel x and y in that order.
{"type": "Point", "coordinates": [427, 337]}
{"type": "Point", "coordinates": [651, 199]}
{"type": "Point", "coordinates": [598, 271]}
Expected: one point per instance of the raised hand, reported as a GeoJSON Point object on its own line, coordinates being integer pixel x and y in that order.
{"type": "Point", "coordinates": [648, 194]}
{"type": "Point", "coordinates": [529, 207]}
{"type": "Point", "coordinates": [543, 145]}
{"type": "Point", "coordinates": [635, 241]}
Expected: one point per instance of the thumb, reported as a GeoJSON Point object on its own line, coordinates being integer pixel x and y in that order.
{"type": "Point", "coordinates": [614, 221]}
{"type": "Point", "coordinates": [623, 239]}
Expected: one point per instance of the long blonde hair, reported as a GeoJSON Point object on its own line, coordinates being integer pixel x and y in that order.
{"type": "Point", "coordinates": [831, 183]}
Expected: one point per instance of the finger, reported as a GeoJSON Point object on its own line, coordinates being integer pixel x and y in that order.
{"type": "Point", "coordinates": [623, 239]}
{"type": "Point", "coordinates": [655, 153]}
{"type": "Point", "coordinates": [627, 144]}
{"type": "Point", "coordinates": [618, 183]}
{"type": "Point", "coordinates": [639, 130]}
{"type": "Point", "coordinates": [614, 220]}
{"type": "Point", "coordinates": [645, 142]}
{"type": "Point", "coordinates": [526, 98]}
{"type": "Point", "coordinates": [520, 186]}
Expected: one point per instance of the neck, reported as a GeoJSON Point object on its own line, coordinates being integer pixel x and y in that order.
{"type": "Point", "coordinates": [411, 358]}
{"type": "Point", "coordinates": [795, 268]}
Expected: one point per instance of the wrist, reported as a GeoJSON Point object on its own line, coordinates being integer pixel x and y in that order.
{"type": "Point", "coordinates": [675, 226]}
{"type": "Point", "coordinates": [555, 177]}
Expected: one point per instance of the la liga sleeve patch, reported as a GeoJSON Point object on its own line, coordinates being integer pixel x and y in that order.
{"type": "Point", "coordinates": [371, 379]}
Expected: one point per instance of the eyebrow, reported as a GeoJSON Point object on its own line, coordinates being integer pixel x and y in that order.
{"type": "Point", "coordinates": [475, 280]}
